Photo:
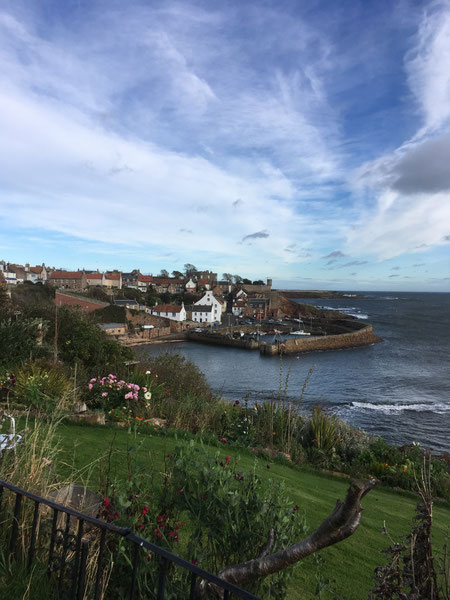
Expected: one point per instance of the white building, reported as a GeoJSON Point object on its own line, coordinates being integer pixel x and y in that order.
{"type": "Point", "coordinates": [202, 314]}
{"type": "Point", "coordinates": [217, 305]}
{"type": "Point", "coordinates": [9, 275]}
{"type": "Point", "coordinates": [191, 286]}
{"type": "Point", "coordinates": [169, 311]}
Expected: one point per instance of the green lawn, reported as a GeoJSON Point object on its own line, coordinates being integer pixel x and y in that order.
{"type": "Point", "coordinates": [350, 563]}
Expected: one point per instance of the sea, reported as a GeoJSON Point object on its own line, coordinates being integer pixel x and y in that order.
{"type": "Point", "coordinates": [398, 389]}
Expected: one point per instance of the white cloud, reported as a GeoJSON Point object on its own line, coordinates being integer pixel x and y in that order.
{"type": "Point", "coordinates": [427, 67]}
{"type": "Point", "coordinates": [404, 195]}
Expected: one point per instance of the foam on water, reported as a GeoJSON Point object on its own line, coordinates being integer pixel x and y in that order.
{"type": "Point", "coordinates": [435, 407]}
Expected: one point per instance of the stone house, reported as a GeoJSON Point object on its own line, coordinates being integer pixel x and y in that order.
{"type": "Point", "coordinates": [172, 285]}
{"type": "Point", "coordinates": [115, 329]}
{"type": "Point", "coordinates": [68, 280]}
{"type": "Point", "coordinates": [113, 279]}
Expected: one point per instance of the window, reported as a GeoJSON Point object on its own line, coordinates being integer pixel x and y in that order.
{"type": "Point", "coordinates": [174, 314]}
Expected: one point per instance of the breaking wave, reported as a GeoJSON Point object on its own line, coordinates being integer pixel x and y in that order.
{"type": "Point", "coordinates": [439, 407]}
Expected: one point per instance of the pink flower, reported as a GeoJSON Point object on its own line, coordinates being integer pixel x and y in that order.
{"type": "Point", "coordinates": [90, 386]}
{"type": "Point", "coordinates": [128, 396]}
{"type": "Point", "coordinates": [145, 389]}
{"type": "Point", "coordinates": [104, 394]}
{"type": "Point", "coordinates": [93, 380]}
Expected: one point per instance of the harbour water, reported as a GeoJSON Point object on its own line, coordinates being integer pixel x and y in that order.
{"type": "Point", "coordinates": [399, 389]}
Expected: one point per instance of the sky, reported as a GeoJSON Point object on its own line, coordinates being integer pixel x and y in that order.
{"type": "Point", "coordinates": [306, 141]}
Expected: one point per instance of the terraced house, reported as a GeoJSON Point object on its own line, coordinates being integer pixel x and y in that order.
{"type": "Point", "coordinates": [68, 280]}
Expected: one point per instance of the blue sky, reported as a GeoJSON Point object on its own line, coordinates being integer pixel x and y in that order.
{"type": "Point", "coordinates": [304, 141]}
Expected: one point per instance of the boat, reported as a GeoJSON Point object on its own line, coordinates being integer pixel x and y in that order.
{"type": "Point", "coordinates": [300, 332]}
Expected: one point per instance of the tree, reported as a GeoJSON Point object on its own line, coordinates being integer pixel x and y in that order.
{"type": "Point", "coordinates": [177, 274]}
{"type": "Point", "coordinates": [237, 279]}
{"type": "Point", "coordinates": [246, 281]}
{"type": "Point", "coordinates": [4, 301]}
{"type": "Point", "coordinates": [228, 277]}
{"type": "Point", "coordinates": [164, 273]}
{"type": "Point", "coordinates": [258, 282]}
{"type": "Point", "coordinates": [190, 269]}
{"type": "Point", "coordinates": [98, 293]}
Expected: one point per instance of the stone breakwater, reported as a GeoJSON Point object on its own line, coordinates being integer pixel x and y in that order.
{"type": "Point", "coordinates": [335, 334]}
{"type": "Point", "coordinates": [346, 334]}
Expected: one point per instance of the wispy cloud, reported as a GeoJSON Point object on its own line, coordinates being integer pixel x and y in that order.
{"type": "Point", "coordinates": [199, 124]}
{"type": "Point", "coordinates": [335, 254]}
{"type": "Point", "coordinates": [255, 236]}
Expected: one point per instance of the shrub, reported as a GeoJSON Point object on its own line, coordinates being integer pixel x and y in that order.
{"type": "Point", "coordinates": [110, 393]}
{"type": "Point", "coordinates": [42, 386]}
{"type": "Point", "coordinates": [181, 377]}
{"type": "Point", "coordinates": [19, 340]}
{"type": "Point", "coordinates": [232, 513]}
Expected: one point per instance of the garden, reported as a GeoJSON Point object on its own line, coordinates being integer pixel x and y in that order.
{"type": "Point", "coordinates": [217, 483]}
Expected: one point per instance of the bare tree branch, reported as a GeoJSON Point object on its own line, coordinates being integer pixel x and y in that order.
{"type": "Point", "coordinates": [338, 526]}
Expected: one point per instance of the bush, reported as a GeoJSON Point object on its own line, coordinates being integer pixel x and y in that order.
{"type": "Point", "coordinates": [42, 386]}
{"type": "Point", "coordinates": [19, 340]}
{"type": "Point", "coordinates": [231, 514]}
{"type": "Point", "coordinates": [181, 377]}
{"type": "Point", "coordinates": [111, 394]}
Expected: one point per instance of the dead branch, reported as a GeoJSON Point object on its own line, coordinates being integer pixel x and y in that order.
{"type": "Point", "coordinates": [338, 526]}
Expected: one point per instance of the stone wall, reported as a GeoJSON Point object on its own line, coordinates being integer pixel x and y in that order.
{"type": "Point", "coordinates": [357, 334]}
{"type": "Point", "coordinates": [221, 340]}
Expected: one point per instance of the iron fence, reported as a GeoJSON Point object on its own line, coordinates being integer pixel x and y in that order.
{"type": "Point", "coordinates": [68, 550]}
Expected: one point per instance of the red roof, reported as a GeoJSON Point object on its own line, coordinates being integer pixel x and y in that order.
{"type": "Point", "coordinates": [167, 308]}
{"type": "Point", "coordinates": [94, 276]}
{"type": "Point", "coordinates": [66, 275]}
{"type": "Point", "coordinates": [113, 276]}
{"type": "Point", "coordinates": [145, 278]}
{"type": "Point", "coordinates": [37, 270]}
{"type": "Point", "coordinates": [166, 280]}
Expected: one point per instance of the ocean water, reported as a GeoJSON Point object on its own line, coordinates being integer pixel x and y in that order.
{"type": "Point", "coordinates": [399, 389]}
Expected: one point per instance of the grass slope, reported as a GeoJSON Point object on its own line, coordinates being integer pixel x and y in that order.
{"type": "Point", "coordinates": [350, 563]}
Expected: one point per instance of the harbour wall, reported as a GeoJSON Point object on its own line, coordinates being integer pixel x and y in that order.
{"type": "Point", "coordinates": [346, 334]}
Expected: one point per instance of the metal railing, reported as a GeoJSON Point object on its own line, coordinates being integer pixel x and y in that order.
{"type": "Point", "coordinates": [68, 550]}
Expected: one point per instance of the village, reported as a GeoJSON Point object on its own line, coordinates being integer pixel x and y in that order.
{"type": "Point", "coordinates": [138, 309]}
{"type": "Point", "coordinates": [152, 302]}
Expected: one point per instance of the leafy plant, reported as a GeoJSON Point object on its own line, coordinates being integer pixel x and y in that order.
{"type": "Point", "coordinates": [42, 386]}
{"type": "Point", "coordinates": [111, 393]}
{"type": "Point", "coordinates": [234, 515]}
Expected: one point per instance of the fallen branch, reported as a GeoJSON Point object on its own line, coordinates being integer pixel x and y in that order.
{"type": "Point", "coordinates": [338, 526]}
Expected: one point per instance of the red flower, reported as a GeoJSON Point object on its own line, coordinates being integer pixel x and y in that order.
{"type": "Point", "coordinates": [149, 557]}
{"type": "Point", "coordinates": [227, 460]}
{"type": "Point", "coordinates": [295, 507]}
{"type": "Point", "coordinates": [144, 511]}
{"type": "Point", "coordinates": [106, 502]}
{"type": "Point", "coordinates": [195, 561]}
